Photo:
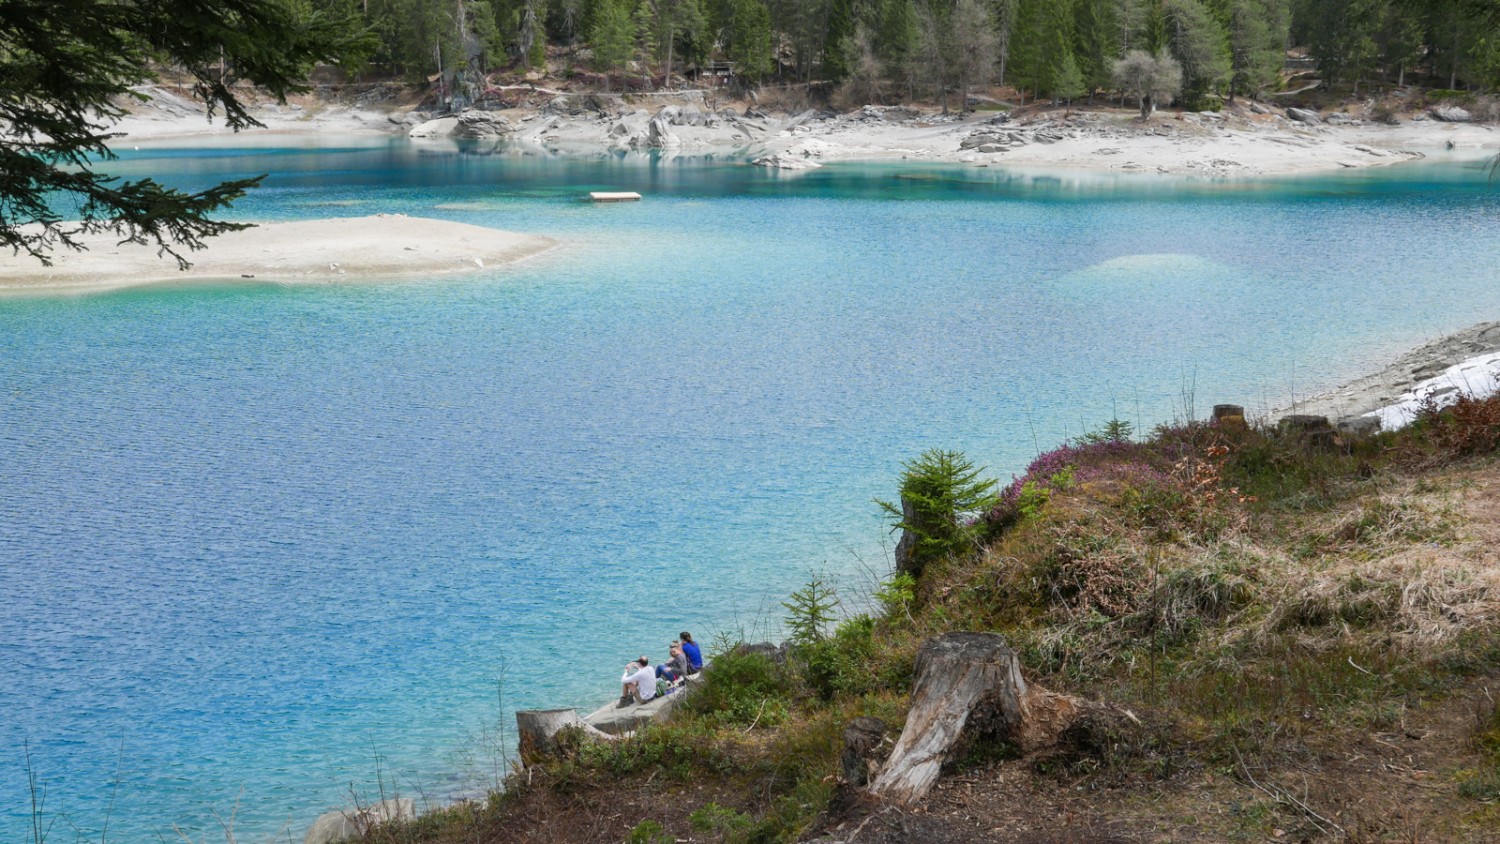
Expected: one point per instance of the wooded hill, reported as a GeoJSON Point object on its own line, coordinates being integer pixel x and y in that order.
{"type": "Point", "coordinates": [901, 49]}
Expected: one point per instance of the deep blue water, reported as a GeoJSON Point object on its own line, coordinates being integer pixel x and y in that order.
{"type": "Point", "coordinates": [261, 545]}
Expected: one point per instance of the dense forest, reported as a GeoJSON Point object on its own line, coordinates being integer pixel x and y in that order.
{"type": "Point", "coordinates": [900, 49]}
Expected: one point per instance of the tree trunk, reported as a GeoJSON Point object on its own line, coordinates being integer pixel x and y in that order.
{"type": "Point", "coordinates": [969, 686]}
{"type": "Point", "coordinates": [671, 42]}
{"type": "Point", "coordinates": [538, 730]}
{"type": "Point", "coordinates": [905, 563]}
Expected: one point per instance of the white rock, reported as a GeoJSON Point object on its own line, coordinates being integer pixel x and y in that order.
{"type": "Point", "coordinates": [439, 128]}
{"type": "Point", "coordinates": [778, 161]}
{"type": "Point", "coordinates": [333, 827]}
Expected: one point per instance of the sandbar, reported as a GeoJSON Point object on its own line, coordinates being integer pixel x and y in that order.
{"type": "Point", "coordinates": [378, 247]}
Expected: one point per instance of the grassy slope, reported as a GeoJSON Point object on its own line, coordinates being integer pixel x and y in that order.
{"type": "Point", "coordinates": [1311, 638]}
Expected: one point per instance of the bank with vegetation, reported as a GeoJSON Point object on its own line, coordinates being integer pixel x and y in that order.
{"type": "Point", "coordinates": [1301, 625]}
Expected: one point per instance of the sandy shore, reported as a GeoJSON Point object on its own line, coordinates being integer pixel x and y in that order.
{"type": "Point", "coordinates": [1464, 363]}
{"type": "Point", "coordinates": [383, 246]}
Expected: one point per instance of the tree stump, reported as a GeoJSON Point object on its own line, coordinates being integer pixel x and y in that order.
{"type": "Point", "coordinates": [863, 740]}
{"type": "Point", "coordinates": [539, 728]}
{"type": "Point", "coordinates": [968, 686]}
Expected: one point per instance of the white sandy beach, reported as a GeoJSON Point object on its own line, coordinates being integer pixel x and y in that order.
{"type": "Point", "coordinates": [383, 246]}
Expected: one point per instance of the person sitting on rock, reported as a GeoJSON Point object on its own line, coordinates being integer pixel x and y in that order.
{"type": "Point", "coordinates": [691, 651]}
{"type": "Point", "coordinates": [676, 666]}
{"type": "Point", "coordinates": [638, 685]}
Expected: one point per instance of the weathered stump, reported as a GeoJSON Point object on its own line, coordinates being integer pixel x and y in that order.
{"type": "Point", "coordinates": [864, 739]}
{"type": "Point", "coordinates": [969, 686]}
{"type": "Point", "coordinates": [539, 728]}
{"type": "Point", "coordinates": [1230, 417]}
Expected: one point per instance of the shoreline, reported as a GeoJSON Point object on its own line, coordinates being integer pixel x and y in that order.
{"type": "Point", "coordinates": [334, 250]}
{"type": "Point", "coordinates": [1466, 361]}
{"type": "Point", "coordinates": [1244, 140]}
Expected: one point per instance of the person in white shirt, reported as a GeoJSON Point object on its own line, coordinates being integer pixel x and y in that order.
{"type": "Point", "coordinates": [638, 683]}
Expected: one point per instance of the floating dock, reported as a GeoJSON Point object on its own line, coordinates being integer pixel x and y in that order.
{"type": "Point", "coordinates": [606, 196]}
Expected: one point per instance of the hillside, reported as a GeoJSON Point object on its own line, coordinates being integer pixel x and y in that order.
{"type": "Point", "coordinates": [1304, 627]}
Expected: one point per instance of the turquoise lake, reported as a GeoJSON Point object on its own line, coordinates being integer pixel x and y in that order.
{"type": "Point", "coordinates": [262, 545]}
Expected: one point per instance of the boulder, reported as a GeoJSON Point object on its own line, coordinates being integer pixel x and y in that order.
{"type": "Point", "coordinates": [483, 125]}
{"type": "Point", "coordinates": [1258, 108]}
{"type": "Point", "coordinates": [976, 141]}
{"type": "Point", "coordinates": [659, 136]}
{"type": "Point", "coordinates": [1451, 114]}
{"type": "Point", "coordinates": [1338, 118]}
{"type": "Point", "coordinates": [1302, 115]}
{"type": "Point", "coordinates": [781, 161]}
{"type": "Point", "coordinates": [992, 148]}
{"type": "Point", "coordinates": [439, 128]}
{"type": "Point", "coordinates": [348, 824]}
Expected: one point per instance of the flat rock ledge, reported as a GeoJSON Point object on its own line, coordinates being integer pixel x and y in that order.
{"type": "Point", "coordinates": [382, 246]}
{"type": "Point", "coordinates": [618, 721]}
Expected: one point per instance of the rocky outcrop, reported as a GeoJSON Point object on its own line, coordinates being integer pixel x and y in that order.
{"type": "Point", "coordinates": [482, 125]}
{"type": "Point", "coordinates": [350, 824]}
{"type": "Point", "coordinates": [1302, 115]}
{"type": "Point", "coordinates": [1451, 114]}
{"type": "Point", "coordinates": [439, 128]}
{"type": "Point", "coordinates": [659, 135]}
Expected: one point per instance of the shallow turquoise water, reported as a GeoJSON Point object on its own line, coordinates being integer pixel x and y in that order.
{"type": "Point", "coordinates": [267, 544]}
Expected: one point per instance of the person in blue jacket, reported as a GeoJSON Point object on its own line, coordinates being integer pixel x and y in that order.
{"type": "Point", "coordinates": [691, 651]}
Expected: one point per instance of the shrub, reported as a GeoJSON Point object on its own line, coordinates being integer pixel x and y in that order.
{"type": "Point", "coordinates": [649, 832]}
{"type": "Point", "coordinates": [1468, 426]}
{"type": "Point", "coordinates": [840, 664]}
{"type": "Point", "coordinates": [721, 820]}
{"type": "Point", "coordinates": [741, 688]}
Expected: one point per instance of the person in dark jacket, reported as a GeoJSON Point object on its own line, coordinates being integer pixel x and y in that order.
{"type": "Point", "coordinates": [692, 652]}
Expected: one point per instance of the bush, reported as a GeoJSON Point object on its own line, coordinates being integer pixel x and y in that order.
{"type": "Point", "coordinates": [1468, 426]}
{"type": "Point", "coordinates": [840, 664]}
{"type": "Point", "coordinates": [649, 832]}
{"type": "Point", "coordinates": [741, 688]}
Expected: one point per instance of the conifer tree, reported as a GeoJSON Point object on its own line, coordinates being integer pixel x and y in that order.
{"type": "Point", "coordinates": [612, 36]}
{"type": "Point", "coordinates": [64, 69]}
{"type": "Point", "coordinates": [1201, 46]}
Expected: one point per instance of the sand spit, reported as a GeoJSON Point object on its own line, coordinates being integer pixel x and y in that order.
{"type": "Point", "coordinates": [1459, 363]}
{"type": "Point", "coordinates": [383, 246]}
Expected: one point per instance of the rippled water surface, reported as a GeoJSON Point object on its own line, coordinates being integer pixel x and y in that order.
{"type": "Point", "coordinates": [261, 545]}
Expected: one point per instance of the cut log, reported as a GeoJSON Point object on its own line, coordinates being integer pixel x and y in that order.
{"type": "Point", "coordinates": [539, 729]}
{"type": "Point", "coordinates": [969, 686]}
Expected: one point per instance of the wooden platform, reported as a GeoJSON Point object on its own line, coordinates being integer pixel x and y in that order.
{"type": "Point", "coordinates": [605, 196]}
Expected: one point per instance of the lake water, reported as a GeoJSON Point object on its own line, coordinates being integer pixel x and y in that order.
{"type": "Point", "coordinates": [262, 546]}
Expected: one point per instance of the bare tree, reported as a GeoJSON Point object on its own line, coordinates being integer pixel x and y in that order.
{"type": "Point", "coordinates": [864, 83]}
{"type": "Point", "coordinates": [1152, 79]}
